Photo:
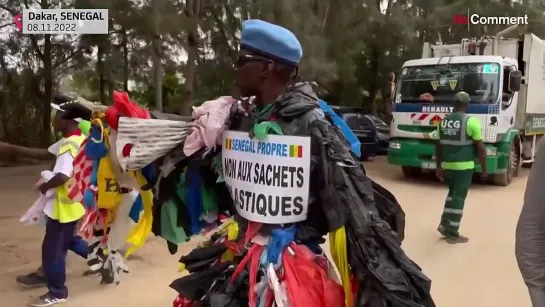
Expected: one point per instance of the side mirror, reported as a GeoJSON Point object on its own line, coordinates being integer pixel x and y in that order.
{"type": "Point", "coordinates": [506, 100]}
{"type": "Point", "coordinates": [515, 79]}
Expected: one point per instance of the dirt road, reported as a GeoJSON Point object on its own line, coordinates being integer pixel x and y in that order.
{"type": "Point", "coordinates": [482, 273]}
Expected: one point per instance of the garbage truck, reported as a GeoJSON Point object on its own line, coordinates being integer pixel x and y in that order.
{"type": "Point", "coordinates": [505, 78]}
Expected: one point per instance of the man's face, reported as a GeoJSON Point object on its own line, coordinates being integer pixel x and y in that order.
{"type": "Point", "coordinates": [59, 122]}
{"type": "Point", "coordinates": [460, 106]}
{"type": "Point", "coordinates": [252, 71]}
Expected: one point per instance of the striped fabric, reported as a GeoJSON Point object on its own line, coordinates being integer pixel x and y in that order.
{"type": "Point", "coordinates": [95, 255]}
{"type": "Point", "coordinates": [142, 141]}
{"type": "Point", "coordinates": [89, 222]}
{"type": "Point", "coordinates": [83, 167]}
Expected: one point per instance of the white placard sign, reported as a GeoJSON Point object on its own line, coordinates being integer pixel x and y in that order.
{"type": "Point", "coordinates": [268, 180]}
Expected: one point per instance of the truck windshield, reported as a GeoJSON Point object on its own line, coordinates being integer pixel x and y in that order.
{"type": "Point", "coordinates": [439, 83]}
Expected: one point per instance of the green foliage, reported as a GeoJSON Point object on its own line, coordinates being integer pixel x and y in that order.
{"type": "Point", "coordinates": [350, 47]}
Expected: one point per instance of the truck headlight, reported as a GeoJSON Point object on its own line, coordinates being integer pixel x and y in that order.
{"type": "Point", "coordinates": [394, 145]}
{"type": "Point", "coordinates": [491, 151]}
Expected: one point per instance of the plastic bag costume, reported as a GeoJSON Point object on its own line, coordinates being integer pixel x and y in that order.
{"type": "Point", "coordinates": [246, 263]}
{"type": "Point", "coordinates": [114, 199]}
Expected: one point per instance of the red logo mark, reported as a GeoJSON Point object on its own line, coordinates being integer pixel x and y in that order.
{"type": "Point", "coordinates": [435, 120]}
{"type": "Point", "coordinates": [460, 19]}
{"type": "Point", "coordinates": [18, 21]}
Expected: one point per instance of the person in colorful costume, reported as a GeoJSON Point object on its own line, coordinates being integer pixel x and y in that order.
{"type": "Point", "coordinates": [460, 143]}
{"type": "Point", "coordinates": [246, 263]}
{"type": "Point", "coordinates": [62, 213]}
{"type": "Point", "coordinates": [110, 194]}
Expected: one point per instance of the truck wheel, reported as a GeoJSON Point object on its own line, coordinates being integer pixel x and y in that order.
{"type": "Point", "coordinates": [512, 170]}
{"type": "Point", "coordinates": [411, 171]}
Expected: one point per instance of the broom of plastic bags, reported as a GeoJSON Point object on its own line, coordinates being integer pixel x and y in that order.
{"type": "Point", "coordinates": [142, 141]}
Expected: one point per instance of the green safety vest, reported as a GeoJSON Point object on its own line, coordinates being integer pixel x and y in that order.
{"type": "Point", "coordinates": [66, 210]}
{"type": "Point", "coordinates": [456, 144]}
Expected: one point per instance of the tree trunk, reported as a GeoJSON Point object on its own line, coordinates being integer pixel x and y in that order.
{"type": "Point", "coordinates": [45, 57]}
{"type": "Point", "coordinates": [125, 42]}
{"type": "Point", "coordinates": [111, 89]}
{"type": "Point", "coordinates": [373, 87]}
{"type": "Point", "coordinates": [388, 97]}
{"type": "Point", "coordinates": [192, 12]}
{"type": "Point", "coordinates": [7, 149]}
{"type": "Point", "coordinates": [100, 69]}
{"type": "Point", "coordinates": [109, 80]}
{"type": "Point", "coordinates": [376, 58]}
{"type": "Point", "coordinates": [190, 72]}
{"type": "Point", "coordinates": [156, 56]}
{"type": "Point", "coordinates": [221, 23]}
{"type": "Point", "coordinates": [48, 92]}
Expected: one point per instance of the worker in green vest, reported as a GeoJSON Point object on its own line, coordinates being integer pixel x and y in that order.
{"type": "Point", "coordinates": [460, 143]}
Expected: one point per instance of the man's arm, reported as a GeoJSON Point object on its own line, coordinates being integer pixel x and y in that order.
{"type": "Point", "coordinates": [474, 130]}
{"type": "Point", "coordinates": [63, 170]}
{"type": "Point", "coordinates": [57, 180]}
{"type": "Point", "coordinates": [481, 152]}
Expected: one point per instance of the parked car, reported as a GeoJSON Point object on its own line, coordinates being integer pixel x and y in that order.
{"type": "Point", "coordinates": [383, 133]}
{"type": "Point", "coordinates": [363, 127]}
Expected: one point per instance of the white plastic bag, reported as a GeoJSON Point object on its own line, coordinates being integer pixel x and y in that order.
{"type": "Point", "coordinates": [35, 214]}
{"type": "Point", "coordinates": [280, 295]}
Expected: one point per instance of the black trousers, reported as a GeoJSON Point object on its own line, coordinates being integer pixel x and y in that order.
{"type": "Point", "coordinates": [59, 238]}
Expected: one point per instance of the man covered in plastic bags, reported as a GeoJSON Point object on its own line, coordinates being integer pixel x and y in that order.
{"type": "Point", "coordinates": [263, 259]}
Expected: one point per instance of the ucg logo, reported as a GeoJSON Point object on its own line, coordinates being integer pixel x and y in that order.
{"type": "Point", "coordinates": [451, 124]}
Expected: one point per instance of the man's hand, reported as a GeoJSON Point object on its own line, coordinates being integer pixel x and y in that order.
{"type": "Point", "coordinates": [484, 174]}
{"type": "Point", "coordinates": [57, 180]}
{"type": "Point", "coordinates": [439, 173]}
{"type": "Point", "coordinates": [43, 188]}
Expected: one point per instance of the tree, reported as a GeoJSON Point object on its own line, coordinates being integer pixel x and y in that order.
{"type": "Point", "coordinates": [192, 13]}
{"type": "Point", "coordinates": [173, 54]}
{"type": "Point", "coordinates": [156, 54]}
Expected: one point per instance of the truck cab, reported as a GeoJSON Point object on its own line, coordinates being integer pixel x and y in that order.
{"type": "Point", "coordinates": [503, 87]}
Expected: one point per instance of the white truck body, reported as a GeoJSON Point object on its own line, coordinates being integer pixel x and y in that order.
{"type": "Point", "coordinates": [527, 110]}
{"type": "Point", "coordinates": [531, 97]}
{"type": "Point", "coordinates": [432, 112]}
{"type": "Point", "coordinates": [506, 116]}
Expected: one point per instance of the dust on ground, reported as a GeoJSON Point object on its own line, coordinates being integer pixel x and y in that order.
{"type": "Point", "coordinates": [482, 273]}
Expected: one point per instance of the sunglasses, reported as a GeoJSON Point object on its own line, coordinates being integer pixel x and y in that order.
{"type": "Point", "coordinates": [244, 59]}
